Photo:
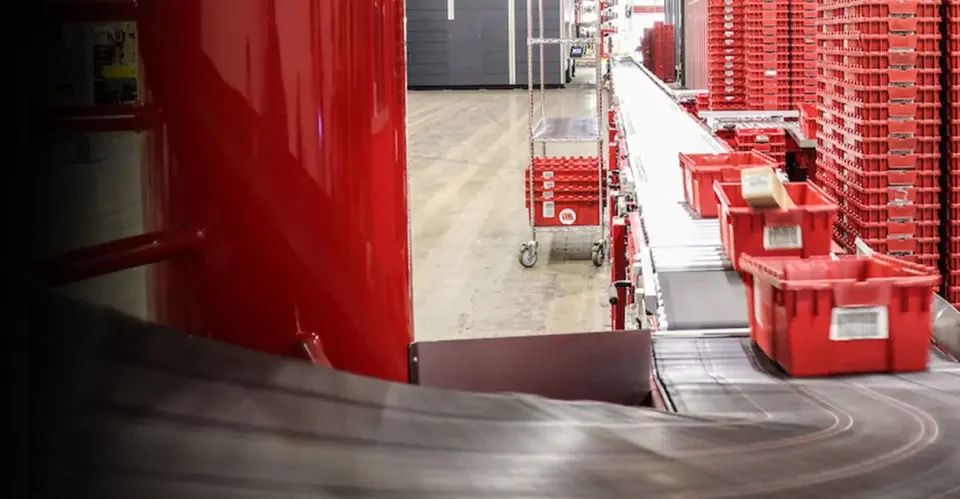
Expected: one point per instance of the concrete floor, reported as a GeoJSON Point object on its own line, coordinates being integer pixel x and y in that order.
{"type": "Point", "coordinates": [467, 154]}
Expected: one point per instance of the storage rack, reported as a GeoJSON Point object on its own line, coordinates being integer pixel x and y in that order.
{"type": "Point", "coordinates": [561, 129]}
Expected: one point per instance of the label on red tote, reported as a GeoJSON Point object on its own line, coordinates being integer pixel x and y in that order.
{"type": "Point", "coordinates": [859, 323]}
{"type": "Point", "coordinates": [782, 237]}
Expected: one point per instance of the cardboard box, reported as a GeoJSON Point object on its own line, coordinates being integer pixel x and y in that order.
{"type": "Point", "coordinates": [761, 188]}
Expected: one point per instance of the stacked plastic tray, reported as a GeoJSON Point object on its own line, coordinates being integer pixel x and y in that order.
{"type": "Point", "coordinates": [953, 65]}
{"type": "Point", "coordinates": [878, 123]}
{"type": "Point", "coordinates": [567, 191]}
{"type": "Point", "coordinates": [767, 56]}
{"type": "Point", "coordinates": [803, 52]}
{"type": "Point", "coordinates": [646, 47]}
{"type": "Point", "coordinates": [769, 141]}
{"type": "Point", "coordinates": [658, 51]}
{"type": "Point", "coordinates": [725, 54]}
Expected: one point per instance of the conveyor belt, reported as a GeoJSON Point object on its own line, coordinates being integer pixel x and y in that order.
{"type": "Point", "coordinates": [693, 284]}
{"type": "Point", "coordinates": [121, 410]}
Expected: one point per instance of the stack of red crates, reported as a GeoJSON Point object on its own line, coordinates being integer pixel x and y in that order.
{"type": "Point", "coordinates": [878, 124]}
{"type": "Point", "coordinates": [658, 51]}
{"type": "Point", "coordinates": [803, 52]}
{"type": "Point", "coordinates": [725, 54]}
{"type": "Point", "coordinates": [953, 65]}
{"type": "Point", "coordinates": [646, 47]}
{"type": "Point", "coordinates": [767, 57]}
{"type": "Point", "coordinates": [664, 65]}
{"type": "Point", "coordinates": [769, 141]}
{"type": "Point", "coordinates": [567, 191]}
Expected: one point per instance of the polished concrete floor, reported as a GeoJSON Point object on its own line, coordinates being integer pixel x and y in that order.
{"type": "Point", "coordinates": [467, 154]}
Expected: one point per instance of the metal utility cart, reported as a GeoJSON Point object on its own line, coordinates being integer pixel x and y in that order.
{"type": "Point", "coordinates": [563, 193]}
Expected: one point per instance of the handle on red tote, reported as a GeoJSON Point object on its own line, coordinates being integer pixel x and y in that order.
{"type": "Point", "coordinates": [862, 293]}
{"type": "Point", "coordinates": [782, 217]}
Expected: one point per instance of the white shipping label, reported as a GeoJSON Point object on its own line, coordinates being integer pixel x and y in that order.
{"type": "Point", "coordinates": [782, 237]}
{"type": "Point", "coordinates": [771, 73]}
{"type": "Point", "coordinates": [548, 209]}
{"type": "Point", "coordinates": [859, 323]}
{"type": "Point", "coordinates": [548, 184]}
{"type": "Point", "coordinates": [547, 194]}
{"type": "Point", "coordinates": [547, 174]}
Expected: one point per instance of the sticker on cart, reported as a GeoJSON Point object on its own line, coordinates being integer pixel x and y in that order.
{"type": "Point", "coordinates": [568, 216]}
{"type": "Point", "coordinates": [757, 303]}
{"type": "Point", "coordinates": [547, 194]}
{"type": "Point", "coordinates": [859, 323]}
{"type": "Point", "coordinates": [548, 209]}
{"type": "Point", "coordinates": [547, 174]}
{"type": "Point", "coordinates": [770, 73]}
{"type": "Point", "coordinates": [782, 237]}
{"type": "Point", "coordinates": [549, 184]}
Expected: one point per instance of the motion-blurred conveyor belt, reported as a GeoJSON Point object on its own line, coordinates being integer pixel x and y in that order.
{"type": "Point", "coordinates": [691, 283]}
{"type": "Point", "coordinates": [121, 409]}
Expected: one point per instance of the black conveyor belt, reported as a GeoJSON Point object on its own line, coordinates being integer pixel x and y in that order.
{"type": "Point", "coordinates": [128, 410]}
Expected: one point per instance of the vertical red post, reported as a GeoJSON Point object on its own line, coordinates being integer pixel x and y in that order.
{"type": "Point", "coordinates": [618, 272]}
{"type": "Point", "coordinates": [283, 136]}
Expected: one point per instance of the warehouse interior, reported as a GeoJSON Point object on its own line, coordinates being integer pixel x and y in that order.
{"type": "Point", "coordinates": [510, 248]}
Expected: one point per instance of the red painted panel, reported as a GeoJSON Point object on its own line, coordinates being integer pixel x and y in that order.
{"type": "Point", "coordinates": [284, 140]}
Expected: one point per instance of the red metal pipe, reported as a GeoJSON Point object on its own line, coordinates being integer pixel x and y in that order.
{"type": "Point", "coordinates": [122, 254]}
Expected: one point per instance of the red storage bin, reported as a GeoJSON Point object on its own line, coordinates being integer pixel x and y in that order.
{"type": "Point", "coordinates": [840, 315]}
{"type": "Point", "coordinates": [808, 120]}
{"type": "Point", "coordinates": [806, 230]}
{"type": "Point", "coordinates": [566, 210]}
{"type": "Point", "coordinates": [701, 171]}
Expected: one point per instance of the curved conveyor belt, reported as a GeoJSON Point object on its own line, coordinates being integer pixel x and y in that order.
{"type": "Point", "coordinates": [123, 409]}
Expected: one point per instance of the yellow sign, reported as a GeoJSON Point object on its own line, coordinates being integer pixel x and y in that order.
{"type": "Point", "coordinates": [119, 71]}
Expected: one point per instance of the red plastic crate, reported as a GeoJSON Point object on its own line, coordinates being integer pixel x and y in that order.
{"type": "Point", "coordinates": [871, 147]}
{"type": "Point", "coordinates": [808, 120]}
{"type": "Point", "coordinates": [841, 315]}
{"type": "Point", "coordinates": [701, 171]}
{"type": "Point", "coordinates": [877, 8]}
{"type": "Point", "coordinates": [893, 247]}
{"type": "Point", "coordinates": [890, 229]}
{"type": "Point", "coordinates": [884, 213]}
{"type": "Point", "coordinates": [805, 230]}
{"type": "Point", "coordinates": [566, 210]}
{"type": "Point", "coordinates": [878, 43]}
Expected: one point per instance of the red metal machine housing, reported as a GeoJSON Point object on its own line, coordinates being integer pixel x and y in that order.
{"type": "Point", "coordinates": [274, 175]}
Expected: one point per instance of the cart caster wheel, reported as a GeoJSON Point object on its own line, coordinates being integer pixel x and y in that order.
{"type": "Point", "coordinates": [528, 256]}
{"type": "Point", "coordinates": [598, 255]}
